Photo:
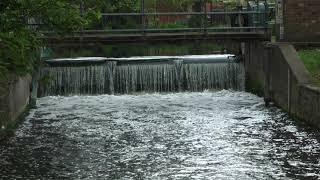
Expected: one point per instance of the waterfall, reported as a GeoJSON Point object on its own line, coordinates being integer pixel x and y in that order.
{"type": "Point", "coordinates": [179, 73]}
{"type": "Point", "coordinates": [115, 77]}
{"type": "Point", "coordinates": [199, 77]}
{"type": "Point", "coordinates": [111, 69]}
{"type": "Point", "coordinates": [146, 78]}
{"type": "Point", "coordinates": [73, 80]}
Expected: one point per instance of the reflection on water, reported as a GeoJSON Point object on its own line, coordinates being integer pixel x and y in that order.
{"type": "Point", "coordinates": [209, 135]}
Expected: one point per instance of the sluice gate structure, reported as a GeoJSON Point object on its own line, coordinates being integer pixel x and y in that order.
{"type": "Point", "coordinates": [83, 76]}
{"type": "Point", "coordinates": [242, 24]}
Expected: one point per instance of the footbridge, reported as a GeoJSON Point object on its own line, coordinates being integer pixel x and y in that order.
{"type": "Point", "coordinates": [241, 24]}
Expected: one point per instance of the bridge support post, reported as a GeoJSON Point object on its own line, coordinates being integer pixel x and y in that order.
{"type": "Point", "coordinates": [34, 88]}
{"type": "Point", "coordinates": [289, 90]}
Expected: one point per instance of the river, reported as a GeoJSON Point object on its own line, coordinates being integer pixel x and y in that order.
{"type": "Point", "coordinates": [209, 135]}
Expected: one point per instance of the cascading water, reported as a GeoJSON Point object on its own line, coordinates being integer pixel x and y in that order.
{"type": "Point", "coordinates": [159, 75]}
{"type": "Point", "coordinates": [97, 79]}
{"type": "Point", "coordinates": [179, 73]}
{"type": "Point", "coordinates": [111, 65]}
{"type": "Point", "coordinates": [147, 78]}
{"type": "Point", "coordinates": [199, 77]}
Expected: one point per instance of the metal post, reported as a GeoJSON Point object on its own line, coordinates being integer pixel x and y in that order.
{"type": "Point", "coordinates": [34, 90]}
{"type": "Point", "coordinates": [201, 16]}
{"type": "Point", "coordinates": [258, 9]}
{"type": "Point", "coordinates": [279, 20]}
{"type": "Point", "coordinates": [205, 20]}
{"type": "Point", "coordinates": [143, 23]}
{"type": "Point", "coordinates": [81, 14]}
{"type": "Point", "coordinates": [239, 15]}
{"type": "Point", "coordinates": [289, 90]}
{"type": "Point", "coordinates": [267, 83]}
{"type": "Point", "coordinates": [266, 18]}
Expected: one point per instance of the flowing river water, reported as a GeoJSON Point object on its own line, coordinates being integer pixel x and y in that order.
{"type": "Point", "coordinates": [209, 135]}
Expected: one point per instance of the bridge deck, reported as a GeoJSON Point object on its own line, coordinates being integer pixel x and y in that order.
{"type": "Point", "coordinates": [152, 37]}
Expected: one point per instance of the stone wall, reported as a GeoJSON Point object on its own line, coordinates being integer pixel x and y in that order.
{"type": "Point", "coordinates": [14, 97]}
{"type": "Point", "coordinates": [301, 20]}
{"type": "Point", "coordinates": [282, 78]}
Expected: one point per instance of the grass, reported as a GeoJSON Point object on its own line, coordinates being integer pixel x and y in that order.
{"type": "Point", "coordinates": [311, 59]}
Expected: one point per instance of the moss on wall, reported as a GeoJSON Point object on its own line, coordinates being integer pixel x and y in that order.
{"type": "Point", "coordinates": [8, 129]}
{"type": "Point", "coordinates": [14, 101]}
{"type": "Point", "coordinates": [254, 86]}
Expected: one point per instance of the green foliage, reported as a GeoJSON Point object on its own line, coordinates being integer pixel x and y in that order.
{"type": "Point", "coordinates": [254, 86]}
{"type": "Point", "coordinates": [3, 71]}
{"type": "Point", "coordinates": [128, 6]}
{"type": "Point", "coordinates": [45, 80]}
{"type": "Point", "coordinates": [122, 5]}
{"type": "Point", "coordinates": [154, 24]}
{"type": "Point", "coordinates": [175, 5]}
{"type": "Point", "coordinates": [150, 5]}
{"type": "Point", "coordinates": [19, 43]}
{"type": "Point", "coordinates": [195, 21]}
{"type": "Point", "coordinates": [18, 52]}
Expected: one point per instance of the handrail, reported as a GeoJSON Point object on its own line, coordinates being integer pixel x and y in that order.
{"type": "Point", "coordinates": [182, 13]}
{"type": "Point", "coordinates": [161, 29]}
{"type": "Point", "coordinates": [142, 26]}
{"type": "Point", "coordinates": [172, 14]}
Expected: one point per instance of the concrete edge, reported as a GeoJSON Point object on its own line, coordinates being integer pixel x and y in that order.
{"type": "Point", "coordinates": [313, 88]}
{"type": "Point", "coordinates": [16, 99]}
{"type": "Point", "coordinates": [295, 63]}
{"type": "Point", "coordinates": [8, 132]}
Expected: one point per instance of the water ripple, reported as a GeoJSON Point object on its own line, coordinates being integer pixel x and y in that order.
{"type": "Point", "coordinates": [209, 135]}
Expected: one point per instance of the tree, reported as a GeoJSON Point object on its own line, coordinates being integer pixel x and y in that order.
{"type": "Point", "coordinates": [122, 5]}
{"type": "Point", "coordinates": [19, 42]}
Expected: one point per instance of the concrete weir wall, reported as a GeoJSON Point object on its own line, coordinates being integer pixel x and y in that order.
{"type": "Point", "coordinates": [276, 71]}
{"type": "Point", "coordinates": [14, 97]}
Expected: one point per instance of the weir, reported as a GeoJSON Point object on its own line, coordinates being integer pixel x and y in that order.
{"type": "Point", "coordinates": [83, 76]}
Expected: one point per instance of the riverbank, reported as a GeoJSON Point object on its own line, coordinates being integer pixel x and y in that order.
{"type": "Point", "coordinates": [311, 59]}
{"type": "Point", "coordinates": [283, 79]}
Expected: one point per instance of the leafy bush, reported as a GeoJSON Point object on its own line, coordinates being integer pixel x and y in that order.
{"type": "Point", "coordinates": [19, 42]}
{"type": "Point", "coordinates": [18, 52]}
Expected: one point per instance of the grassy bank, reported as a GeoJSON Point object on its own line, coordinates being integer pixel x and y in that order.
{"type": "Point", "coordinates": [311, 59]}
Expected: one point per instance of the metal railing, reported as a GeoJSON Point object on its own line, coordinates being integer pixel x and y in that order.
{"type": "Point", "coordinates": [142, 25]}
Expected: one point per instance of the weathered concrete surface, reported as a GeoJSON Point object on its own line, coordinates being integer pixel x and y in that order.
{"type": "Point", "coordinates": [283, 78]}
{"type": "Point", "coordinates": [14, 97]}
{"type": "Point", "coordinates": [310, 104]}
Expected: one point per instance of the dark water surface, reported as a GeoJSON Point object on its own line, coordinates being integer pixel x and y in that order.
{"type": "Point", "coordinates": [209, 135]}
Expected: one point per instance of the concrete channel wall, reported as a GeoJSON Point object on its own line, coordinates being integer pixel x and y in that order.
{"type": "Point", "coordinates": [275, 70]}
{"type": "Point", "coordinates": [14, 98]}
